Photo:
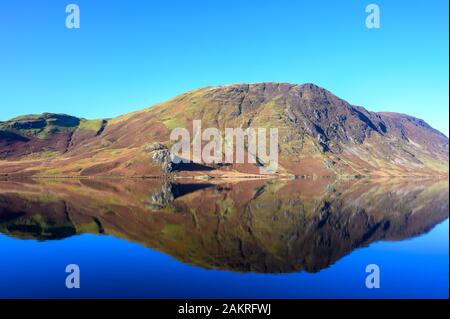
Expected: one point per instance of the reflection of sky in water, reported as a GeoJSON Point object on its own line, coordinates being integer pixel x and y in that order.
{"type": "Point", "coordinates": [110, 267]}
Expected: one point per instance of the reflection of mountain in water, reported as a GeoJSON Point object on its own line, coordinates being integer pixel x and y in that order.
{"type": "Point", "coordinates": [260, 226]}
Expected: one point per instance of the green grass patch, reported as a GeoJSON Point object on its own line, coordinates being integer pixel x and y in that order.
{"type": "Point", "coordinates": [91, 228]}
{"type": "Point", "coordinates": [91, 125]}
{"type": "Point", "coordinates": [173, 123]}
{"type": "Point", "coordinates": [173, 231]}
{"type": "Point", "coordinates": [45, 155]}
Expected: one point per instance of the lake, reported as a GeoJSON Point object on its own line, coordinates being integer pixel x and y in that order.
{"type": "Point", "coordinates": [186, 238]}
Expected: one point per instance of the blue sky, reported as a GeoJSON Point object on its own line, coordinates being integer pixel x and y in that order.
{"type": "Point", "coordinates": [131, 54]}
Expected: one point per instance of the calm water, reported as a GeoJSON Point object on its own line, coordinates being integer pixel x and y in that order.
{"type": "Point", "coordinates": [252, 239]}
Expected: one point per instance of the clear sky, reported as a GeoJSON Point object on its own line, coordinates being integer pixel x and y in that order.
{"type": "Point", "coordinates": [131, 54]}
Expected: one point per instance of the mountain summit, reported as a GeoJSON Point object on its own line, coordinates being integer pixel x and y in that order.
{"type": "Point", "coordinates": [319, 134]}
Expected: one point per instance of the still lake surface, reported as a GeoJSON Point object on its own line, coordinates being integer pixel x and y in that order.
{"type": "Point", "coordinates": [210, 239]}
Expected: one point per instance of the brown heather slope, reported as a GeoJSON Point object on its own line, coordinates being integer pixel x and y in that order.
{"type": "Point", "coordinates": [319, 134]}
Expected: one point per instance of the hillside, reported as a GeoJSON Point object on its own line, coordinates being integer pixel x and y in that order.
{"type": "Point", "coordinates": [319, 135]}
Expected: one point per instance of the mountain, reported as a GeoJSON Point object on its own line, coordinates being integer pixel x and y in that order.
{"type": "Point", "coordinates": [319, 135]}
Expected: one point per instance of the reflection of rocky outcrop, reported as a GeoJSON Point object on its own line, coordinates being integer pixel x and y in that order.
{"type": "Point", "coordinates": [258, 226]}
{"type": "Point", "coordinates": [162, 197]}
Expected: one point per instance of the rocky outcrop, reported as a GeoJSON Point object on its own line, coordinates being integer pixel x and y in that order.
{"type": "Point", "coordinates": [160, 155]}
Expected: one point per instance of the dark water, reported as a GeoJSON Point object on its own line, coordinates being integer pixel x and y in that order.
{"type": "Point", "coordinates": [252, 239]}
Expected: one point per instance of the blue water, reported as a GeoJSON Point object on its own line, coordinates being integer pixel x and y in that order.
{"type": "Point", "coordinates": [110, 267]}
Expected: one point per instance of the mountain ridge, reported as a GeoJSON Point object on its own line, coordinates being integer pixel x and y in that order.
{"type": "Point", "coordinates": [320, 134]}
